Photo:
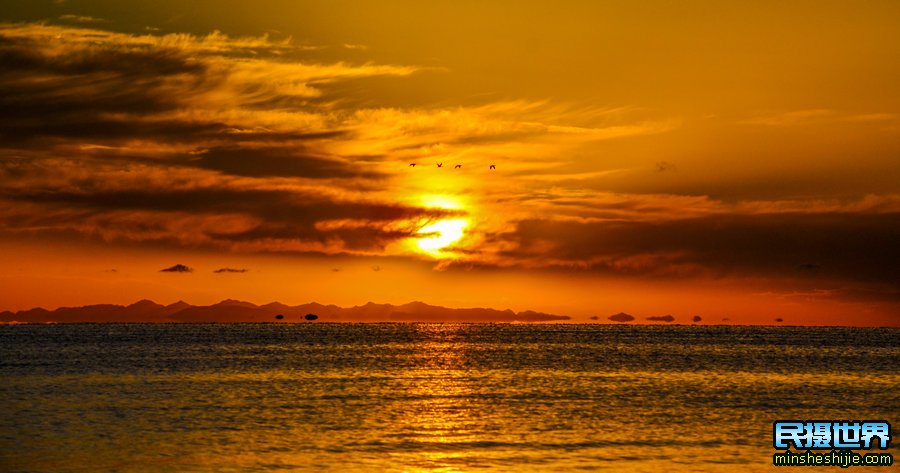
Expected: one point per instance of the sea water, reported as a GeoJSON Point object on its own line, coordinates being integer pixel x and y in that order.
{"type": "Point", "coordinates": [427, 397]}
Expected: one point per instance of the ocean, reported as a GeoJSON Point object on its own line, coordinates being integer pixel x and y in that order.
{"type": "Point", "coordinates": [427, 397]}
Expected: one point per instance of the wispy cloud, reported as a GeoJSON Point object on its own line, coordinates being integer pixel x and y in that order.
{"type": "Point", "coordinates": [81, 19]}
{"type": "Point", "coordinates": [818, 116]}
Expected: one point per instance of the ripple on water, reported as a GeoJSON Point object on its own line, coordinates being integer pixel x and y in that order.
{"type": "Point", "coordinates": [407, 397]}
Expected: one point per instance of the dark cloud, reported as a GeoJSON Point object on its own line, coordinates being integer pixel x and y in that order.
{"type": "Point", "coordinates": [114, 92]}
{"type": "Point", "coordinates": [275, 162]}
{"type": "Point", "coordinates": [178, 268]}
{"type": "Point", "coordinates": [271, 216]}
{"type": "Point", "coordinates": [272, 205]}
{"type": "Point", "coordinates": [621, 317]}
{"type": "Point", "coordinates": [76, 94]}
{"type": "Point", "coordinates": [230, 270]}
{"type": "Point", "coordinates": [29, 58]}
{"type": "Point", "coordinates": [662, 318]}
{"type": "Point", "coordinates": [367, 238]}
{"type": "Point", "coordinates": [856, 247]}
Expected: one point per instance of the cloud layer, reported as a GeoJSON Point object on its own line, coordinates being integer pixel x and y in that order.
{"type": "Point", "coordinates": [247, 144]}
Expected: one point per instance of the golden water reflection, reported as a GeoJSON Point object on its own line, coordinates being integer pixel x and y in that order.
{"type": "Point", "coordinates": [427, 397]}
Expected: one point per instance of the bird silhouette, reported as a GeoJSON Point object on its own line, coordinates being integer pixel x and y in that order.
{"type": "Point", "coordinates": [493, 166]}
{"type": "Point", "coordinates": [412, 165]}
{"type": "Point", "coordinates": [440, 165]}
{"type": "Point", "coordinates": [457, 166]}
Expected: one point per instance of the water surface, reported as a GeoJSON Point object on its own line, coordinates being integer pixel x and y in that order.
{"type": "Point", "coordinates": [427, 397]}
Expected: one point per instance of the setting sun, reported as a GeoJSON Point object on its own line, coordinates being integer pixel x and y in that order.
{"type": "Point", "coordinates": [440, 235]}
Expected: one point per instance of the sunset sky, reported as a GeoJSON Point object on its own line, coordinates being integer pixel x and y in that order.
{"type": "Point", "coordinates": [735, 160]}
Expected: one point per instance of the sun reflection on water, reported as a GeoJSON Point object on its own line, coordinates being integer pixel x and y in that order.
{"type": "Point", "coordinates": [425, 397]}
{"type": "Point", "coordinates": [433, 413]}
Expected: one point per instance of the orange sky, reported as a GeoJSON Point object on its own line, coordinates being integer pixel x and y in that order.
{"type": "Point", "coordinates": [733, 160]}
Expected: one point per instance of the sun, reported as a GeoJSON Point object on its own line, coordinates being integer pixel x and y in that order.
{"type": "Point", "coordinates": [440, 235]}
{"type": "Point", "coordinates": [437, 236]}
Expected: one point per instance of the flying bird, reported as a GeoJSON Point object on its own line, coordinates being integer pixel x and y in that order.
{"type": "Point", "coordinates": [440, 165]}
{"type": "Point", "coordinates": [493, 166]}
{"type": "Point", "coordinates": [457, 166]}
{"type": "Point", "coordinates": [412, 165]}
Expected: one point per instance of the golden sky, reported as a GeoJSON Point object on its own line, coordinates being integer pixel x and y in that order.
{"type": "Point", "coordinates": [735, 160]}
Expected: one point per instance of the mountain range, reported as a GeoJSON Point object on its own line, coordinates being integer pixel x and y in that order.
{"type": "Point", "coordinates": [229, 310]}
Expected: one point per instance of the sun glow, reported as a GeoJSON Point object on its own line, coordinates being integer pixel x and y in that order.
{"type": "Point", "coordinates": [437, 236]}
{"type": "Point", "coordinates": [440, 235]}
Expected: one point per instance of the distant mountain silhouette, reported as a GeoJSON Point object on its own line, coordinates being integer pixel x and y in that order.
{"type": "Point", "coordinates": [662, 318]}
{"type": "Point", "coordinates": [231, 310]}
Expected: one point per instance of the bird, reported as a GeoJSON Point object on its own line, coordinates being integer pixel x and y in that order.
{"type": "Point", "coordinates": [457, 166]}
{"type": "Point", "coordinates": [440, 165]}
{"type": "Point", "coordinates": [493, 166]}
{"type": "Point", "coordinates": [412, 165]}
